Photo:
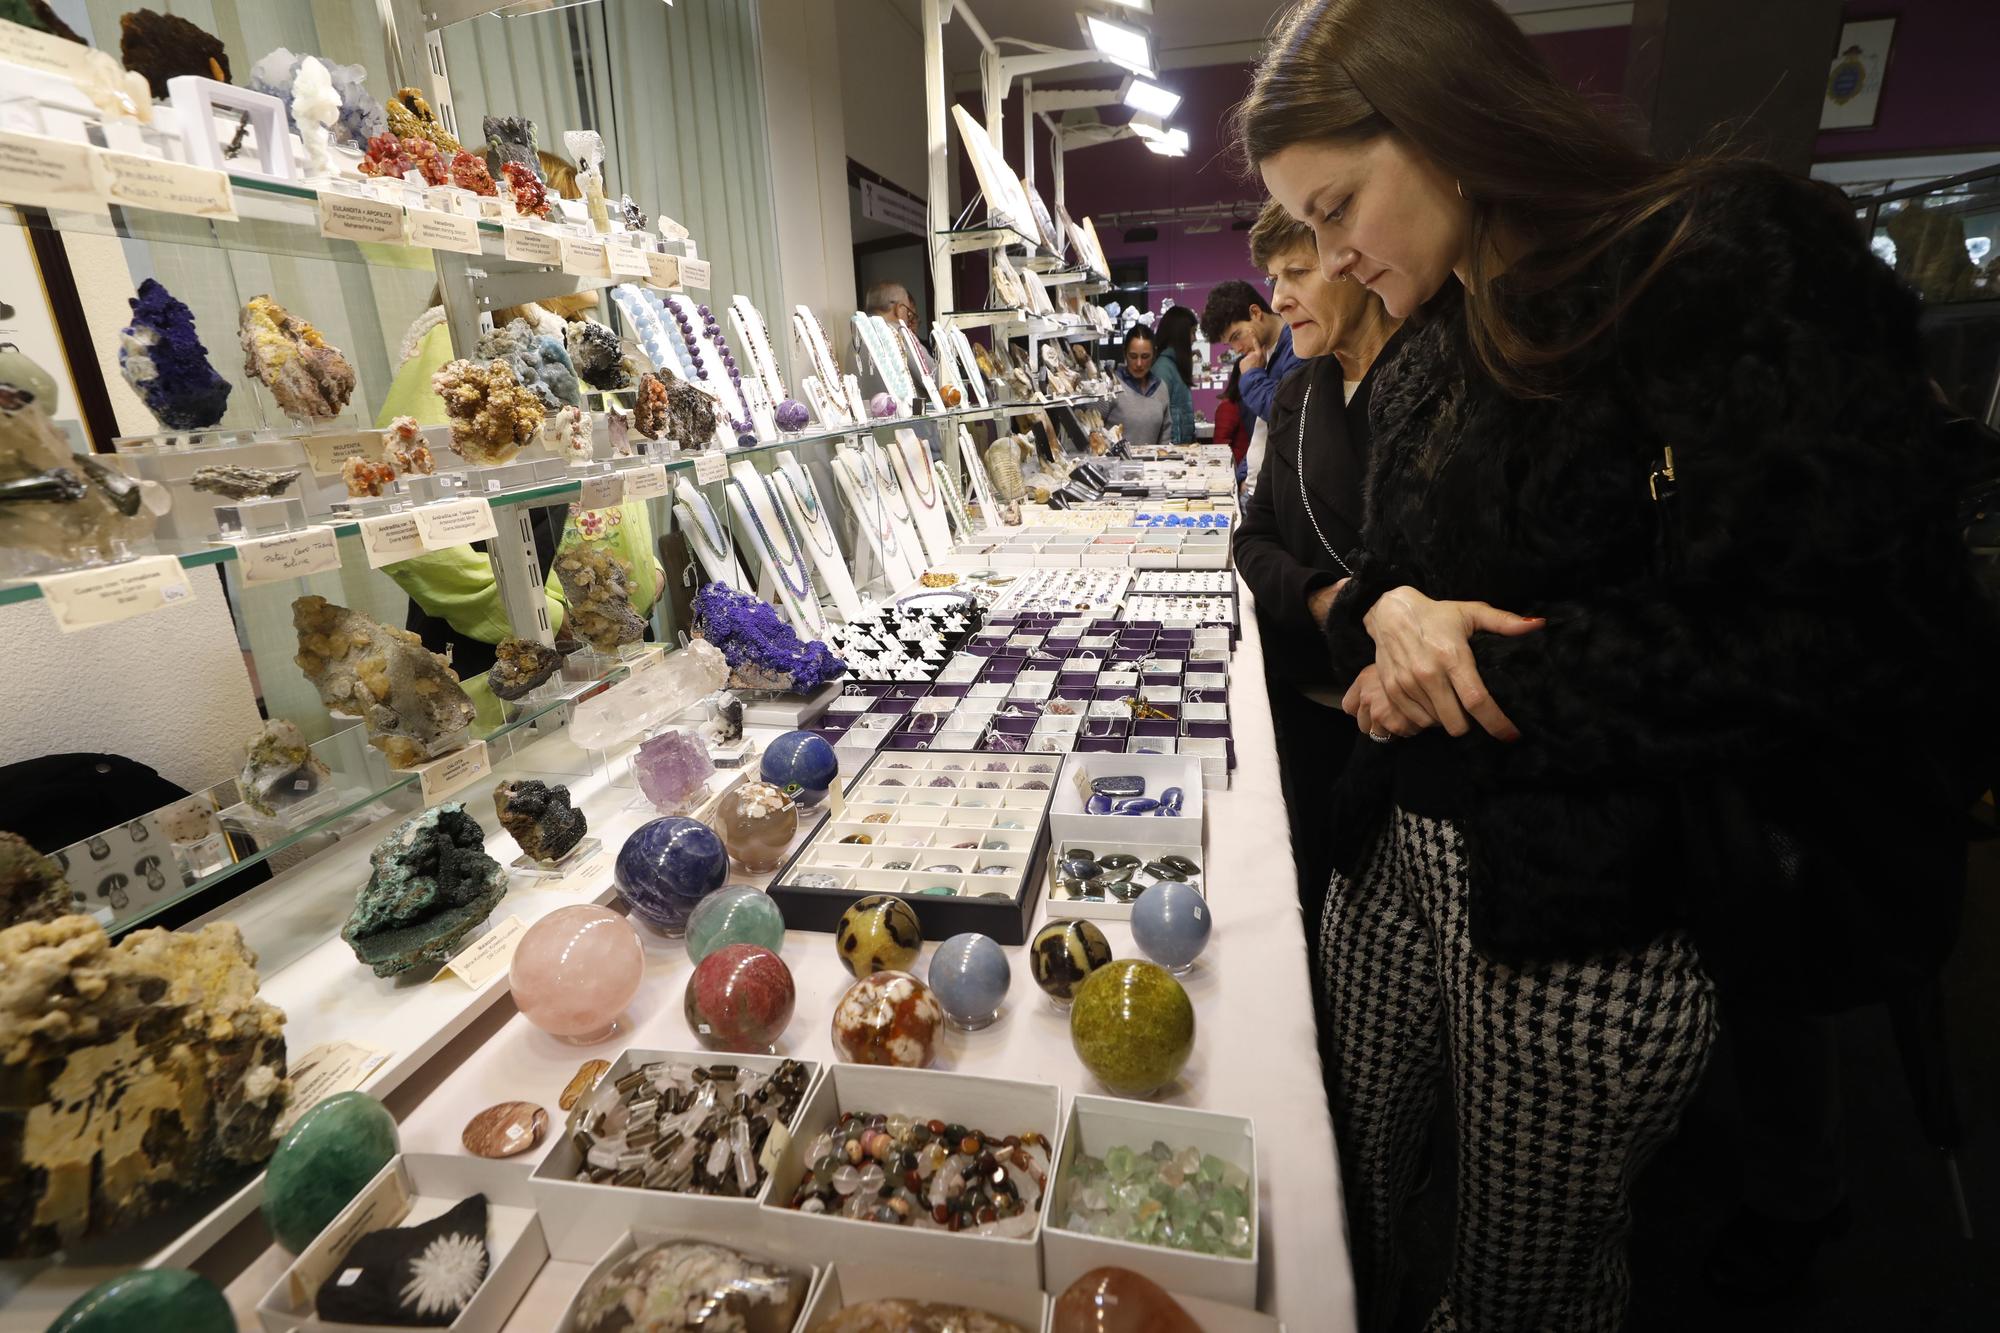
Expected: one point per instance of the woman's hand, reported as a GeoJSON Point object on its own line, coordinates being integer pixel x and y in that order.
{"type": "Point", "coordinates": [1368, 704]}
{"type": "Point", "coordinates": [1423, 656]}
{"type": "Point", "coordinates": [1319, 603]}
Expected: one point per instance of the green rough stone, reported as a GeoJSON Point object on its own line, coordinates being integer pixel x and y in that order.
{"type": "Point", "coordinates": [1132, 1026]}
{"type": "Point", "coordinates": [158, 1300]}
{"type": "Point", "coordinates": [432, 883]}
{"type": "Point", "coordinates": [738, 914]}
{"type": "Point", "coordinates": [334, 1150]}
{"type": "Point", "coordinates": [1177, 1200]}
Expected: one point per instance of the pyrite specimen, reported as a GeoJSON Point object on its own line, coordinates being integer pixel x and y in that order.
{"type": "Point", "coordinates": [166, 365]}
{"type": "Point", "coordinates": [598, 585]}
{"type": "Point", "coordinates": [594, 351]}
{"type": "Point", "coordinates": [32, 887]}
{"type": "Point", "coordinates": [492, 416]}
{"type": "Point", "coordinates": [541, 818]}
{"type": "Point", "coordinates": [242, 483]}
{"type": "Point", "coordinates": [57, 509]}
{"type": "Point", "coordinates": [649, 413]}
{"type": "Point", "coordinates": [519, 665]}
{"type": "Point", "coordinates": [136, 1074]}
{"type": "Point", "coordinates": [410, 116]}
{"type": "Point", "coordinates": [431, 883]}
{"type": "Point", "coordinates": [164, 46]}
{"type": "Point", "coordinates": [413, 705]}
{"type": "Point", "coordinates": [538, 361]}
{"type": "Point", "coordinates": [468, 172]}
{"type": "Point", "coordinates": [280, 770]}
{"type": "Point", "coordinates": [512, 139]}
{"type": "Point", "coordinates": [308, 377]}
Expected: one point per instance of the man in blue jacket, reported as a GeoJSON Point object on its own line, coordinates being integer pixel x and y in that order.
{"type": "Point", "coordinates": [1236, 314]}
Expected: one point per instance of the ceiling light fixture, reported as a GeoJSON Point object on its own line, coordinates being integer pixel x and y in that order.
{"type": "Point", "coordinates": [1119, 43]}
{"type": "Point", "coordinates": [1151, 98]}
{"type": "Point", "coordinates": [1146, 127]}
{"type": "Point", "coordinates": [1174, 143]}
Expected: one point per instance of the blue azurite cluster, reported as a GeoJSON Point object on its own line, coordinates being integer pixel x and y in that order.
{"type": "Point", "coordinates": [165, 363]}
{"type": "Point", "coordinates": [754, 640]}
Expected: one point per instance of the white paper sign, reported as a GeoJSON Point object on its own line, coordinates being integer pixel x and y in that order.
{"type": "Point", "coordinates": [20, 45]}
{"type": "Point", "coordinates": [601, 491]}
{"type": "Point", "coordinates": [288, 555]}
{"type": "Point", "coordinates": [351, 218]}
{"type": "Point", "coordinates": [47, 173]}
{"type": "Point", "coordinates": [459, 769]}
{"type": "Point", "coordinates": [663, 271]}
{"type": "Point", "coordinates": [591, 872]}
{"type": "Point", "coordinates": [327, 453]}
{"type": "Point", "coordinates": [488, 956]}
{"type": "Point", "coordinates": [454, 523]}
{"type": "Point", "coordinates": [444, 231]}
{"type": "Point", "coordinates": [90, 597]}
{"type": "Point", "coordinates": [710, 467]}
{"type": "Point", "coordinates": [695, 274]}
{"type": "Point", "coordinates": [169, 187]}
{"type": "Point", "coordinates": [388, 538]}
{"type": "Point", "coordinates": [330, 1067]}
{"type": "Point", "coordinates": [646, 483]}
{"type": "Point", "coordinates": [585, 259]}
{"type": "Point", "coordinates": [533, 247]}
{"type": "Point", "coordinates": [647, 661]}
{"type": "Point", "coordinates": [627, 261]}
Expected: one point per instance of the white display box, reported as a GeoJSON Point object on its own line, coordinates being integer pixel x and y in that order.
{"type": "Point", "coordinates": [808, 1275]}
{"type": "Point", "coordinates": [991, 1105]}
{"type": "Point", "coordinates": [1111, 909]}
{"type": "Point", "coordinates": [1069, 825]}
{"type": "Point", "coordinates": [1098, 1124]}
{"type": "Point", "coordinates": [581, 1219]}
{"type": "Point", "coordinates": [844, 1284]}
{"type": "Point", "coordinates": [412, 1189]}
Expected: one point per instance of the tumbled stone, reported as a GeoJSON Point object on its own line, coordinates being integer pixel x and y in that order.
{"type": "Point", "coordinates": [409, 698]}
{"type": "Point", "coordinates": [280, 770]}
{"type": "Point", "coordinates": [540, 817]}
{"type": "Point", "coordinates": [307, 375]}
{"type": "Point", "coordinates": [326, 1159]}
{"type": "Point", "coordinates": [585, 1078]}
{"type": "Point", "coordinates": [598, 585]}
{"type": "Point", "coordinates": [431, 884]}
{"type": "Point", "coordinates": [519, 665]}
{"type": "Point", "coordinates": [505, 1129]}
{"type": "Point", "coordinates": [32, 887]}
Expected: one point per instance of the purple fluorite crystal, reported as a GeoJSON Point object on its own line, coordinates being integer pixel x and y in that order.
{"type": "Point", "coordinates": [761, 649]}
{"type": "Point", "coordinates": [672, 769]}
{"type": "Point", "coordinates": [165, 363]}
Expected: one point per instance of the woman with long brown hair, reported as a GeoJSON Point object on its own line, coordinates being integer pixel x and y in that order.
{"type": "Point", "coordinates": [1673, 417]}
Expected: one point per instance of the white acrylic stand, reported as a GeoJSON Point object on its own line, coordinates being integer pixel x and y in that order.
{"type": "Point", "coordinates": [913, 471]}
{"type": "Point", "coordinates": [815, 528]}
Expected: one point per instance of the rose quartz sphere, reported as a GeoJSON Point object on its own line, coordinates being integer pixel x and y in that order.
{"type": "Point", "coordinates": [575, 970]}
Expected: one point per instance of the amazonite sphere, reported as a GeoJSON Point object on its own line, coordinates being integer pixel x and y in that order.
{"type": "Point", "coordinates": [326, 1159]}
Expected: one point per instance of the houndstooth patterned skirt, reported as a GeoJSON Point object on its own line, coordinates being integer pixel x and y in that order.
{"type": "Point", "coordinates": [1567, 1078]}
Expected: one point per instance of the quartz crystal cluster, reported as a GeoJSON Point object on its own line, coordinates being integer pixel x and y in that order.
{"type": "Point", "coordinates": [685, 1286]}
{"type": "Point", "coordinates": [925, 1173]}
{"type": "Point", "coordinates": [58, 509]}
{"type": "Point", "coordinates": [165, 363]}
{"type": "Point", "coordinates": [361, 116]}
{"type": "Point", "coordinates": [649, 699]}
{"type": "Point", "coordinates": [763, 652]}
{"type": "Point", "coordinates": [411, 701]}
{"type": "Point", "coordinates": [538, 360]}
{"type": "Point", "coordinates": [598, 587]}
{"type": "Point", "coordinates": [492, 416]}
{"type": "Point", "coordinates": [431, 884]}
{"type": "Point", "coordinates": [1184, 1200]}
{"type": "Point", "coordinates": [308, 376]}
{"type": "Point", "coordinates": [685, 1128]}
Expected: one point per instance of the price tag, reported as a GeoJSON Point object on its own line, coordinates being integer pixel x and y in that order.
{"type": "Point", "coordinates": [288, 555]}
{"type": "Point", "coordinates": [775, 1144]}
{"type": "Point", "coordinates": [459, 769]}
{"type": "Point", "coordinates": [169, 187]}
{"type": "Point", "coordinates": [695, 273]}
{"type": "Point", "coordinates": [330, 1067]}
{"type": "Point", "coordinates": [327, 453]}
{"type": "Point", "coordinates": [646, 483]}
{"type": "Point", "coordinates": [627, 261]}
{"type": "Point", "coordinates": [387, 538]}
{"type": "Point", "coordinates": [585, 259]}
{"type": "Point", "coordinates": [118, 592]}
{"type": "Point", "coordinates": [349, 217]}
{"type": "Point", "coordinates": [444, 231]}
{"type": "Point", "coordinates": [663, 271]}
{"type": "Point", "coordinates": [602, 491]}
{"type": "Point", "coordinates": [48, 173]}
{"type": "Point", "coordinates": [488, 956]}
{"type": "Point", "coordinates": [454, 523]}
{"type": "Point", "coordinates": [533, 247]}
{"type": "Point", "coordinates": [710, 466]}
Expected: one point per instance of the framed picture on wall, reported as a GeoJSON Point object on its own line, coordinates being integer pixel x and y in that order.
{"type": "Point", "coordinates": [1854, 82]}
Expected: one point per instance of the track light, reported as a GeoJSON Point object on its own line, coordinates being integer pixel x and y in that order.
{"type": "Point", "coordinates": [1174, 143]}
{"type": "Point", "coordinates": [1120, 43]}
{"type": "Point", "coordinates": [1151, 98]}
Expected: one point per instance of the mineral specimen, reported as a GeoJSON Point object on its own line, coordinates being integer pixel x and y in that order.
{"type": "Point", "coordinates": [586, 149]}
{"type": "Point", "coordinates": [540, 817]}
{"type": "Point", "coordinates": [163, 1300]}
{"type": "Point", "coordinates": [408, 696]}
{"type": "Point", "coordinates": [308, 377]}
{"type": "Point", "coordinates": [242, 483]}
{"type": "Point", "coordinates": [388, 157]}
{"type": "Point", "coordinates": [598, 586]}
{"type": "Point", "coordinates": [684, 1286]}
{"type": "Point", "coordinates": [410, 116]}
{"type": "Point", "coordinates": [519, 665]}
{"type": "Point", "coordinates": [117, 92]}
{"type": "Point", "coordinates": [137, 1074]}
{"type": "Point", "coordinates": [37, 14]}
{"type": "Point", "coordinates": [690, 414]}
{"type": "Point", "coordinates": [635, 217]}
{"type": "Point", "coordinates": [315, 107]}
{"type": "Point", "coordinates": [423, 1275]}
{"type": "Point", "coordinates": [468, 172]}
{"type": "Point", "coordinates": [618, 427]}
{"type": "Point", "coordinates": [492, 416]}
{"type": "Point", "coordinates": [432, 883]}
{"type": "Point", "coordinates": [280, 770]}
{"type": "Point", "coordinates": [512, 139]}
{"type": "Point", "coordinates": [434, 165]}
{"type": "Point", "coordinates": [572, 435]}
{"type": "Point", "coordinates": [673, 769]}
{"type": "Point", "coordinates": [531, 197]}
{"type": "Point", "coordinates": [763, 652]}
{"type": "Point", "coordinates": [361, 116]}
{"type": "Point", "coordinates": [537, 360]}
{"type": "Point", "coordinates": [32, 887]}
{"type": "Point", "coordinates": [57, 509]}
{"type": "Point", "coordinates": [504, 1129]}
{"type": "Point", "coordinates": [649, 412]}
{"type": "Point", "coordinates": [163, 46]}
{"type": "Point", "coordinates": [594, 351]}
{"type": "Point", "coordinates": [365, 478]}
{"type": "Point", "coordinates": [166, 365]}
{"type": "Point", "coordinates": [403, 448]}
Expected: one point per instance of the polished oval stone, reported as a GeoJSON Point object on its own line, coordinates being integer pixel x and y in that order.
{"type": "Point", "coordinates": [736, 914]}
{"type": "Point", "coordinates": [1171, 923]}
{"type": "Point", "coordinates": [505, 1129]}
{"type": "Point", "coordinates": [1078, 867]}
{"type": "Point", "coordinates": [1098, 804]}
{"type": "Point", "coordinates": [158, 1300]}
{"type": "Point", "coordinates": [1081, 854]}
{"type": "Point", "coordinates": [1161, 870]}
{"type": "Point", "coordinates": [1118, 861]}
{"type": "Point", "coordinates": [1118, 1300]}
{"type": "Point", "coordinates": [582, 1081]}
{"type": "Point", "coordinates": [1134, 805]}
{"type": "Point", "coordinates": [1132, 1026]}
{"type": "Point", "coordinates": [938, 891]}
{"type": "Point", "coordinates": [1181, 863]}
{"type": "Point", "coordinates": [1124, 785]}
{"type": "Point", "coordinates": [1171, 800]}
{"type": "Point", "coordinates": [334, 1150]}
{"type": "Point", "coordinates": [1064, 953]}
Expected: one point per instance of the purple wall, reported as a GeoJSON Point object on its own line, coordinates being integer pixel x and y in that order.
{"type": "Point", "coordinates": [1941, 92]}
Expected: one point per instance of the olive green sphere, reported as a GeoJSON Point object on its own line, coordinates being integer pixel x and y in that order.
{"type": "Point", "coordinates": [1132, 1026]}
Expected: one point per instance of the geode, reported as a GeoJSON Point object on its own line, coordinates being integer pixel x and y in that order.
{"type": "Point", "coordinates": [512, 139]}
{"type": "Point", "coordinates": [411, 116]}
{"type": "Point", "coordinates": [308, 377]}
{"type": "Point", "coordinates": [166, 365]}
{"type": "Point", "coordinates": [594, 351]}
{"type": "Point", "coordinates": [32, 887]}
{"type": "Point", "coordinates": [280, 770]}
{"type": "Point", "coordinates": [241, 483]}
{"type": "Point", "coordinates": [136, 1075]}
{"type": "Point", "coordinates": [165, 46]}
{"type": "Point", "coordinates": [538, 361]}
{"type": "Point", "coordinates": [361, 116]}
{"type": "Point", "coordinates": [492, 416]}
{"type": "Point", "coordinates": [519, 665]}
{"type": "Point", "coordinates": [690, 414]}
{"type": "Point", "coordinates": [409, 697]}
{"type": "Point", "coordinates": [598, 586]}
{"type": "Point", "coordinates": [649, 411]}
{"type": "Point", "coordinates": [541, 818]}
{"type": "Point", "coordinates": [431, 883]}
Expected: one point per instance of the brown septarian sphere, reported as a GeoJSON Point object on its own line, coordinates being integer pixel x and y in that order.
{"type": "Point", "coordinates": [1118, 1300]}
{"type": "Point", "coordinates": [757, 822]}
{"type": "Point", "coordinates": [1063, 953]}
{"type": "Point", "coordinates": [165, 46]}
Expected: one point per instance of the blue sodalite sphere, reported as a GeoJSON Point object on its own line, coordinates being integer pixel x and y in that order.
{"type": "Point", "coordinates": [801, 760]}
{"type": "Point", "coordinates": [1170, 923]}
{"type": "Point", "coordinates": [667, 867]}
{"type": "Point", "coordinates": [969, 976]}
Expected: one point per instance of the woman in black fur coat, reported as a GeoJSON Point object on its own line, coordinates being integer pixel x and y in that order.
{"type": "Point", "coordinates": [1662, 625]}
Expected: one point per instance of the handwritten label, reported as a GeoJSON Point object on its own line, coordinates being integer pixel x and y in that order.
{"type": "Point", "coordinates": [168, 187]}
{"type": "Point", "coordinates": [627, 261]}
{"type": "Point", "coordinates": [387, 538]}
{"type": "Point", "coordinates": [454, 523]}
{"type": "Point", "coordinates": [330, 1067]}
{"type": "Point", "coordinates": [488, 956]}
{"type": "Point", "coordinates": [591, 872]}
{"type": "Point", "coordinates": [774, 1147]}
{"type": "Point", "coordinates": [710, 467]}
{"type": "Point", "coordinates": [327, 454]}
{"type": "Point", "coordinates": [457, 770]}
{"type": "Point", "coordinates": [21, 45]}
{"type": "Point", "coordinates": [695, 273]}
{"type": "Point", "coordinates": [348, 217]}
{"type": "Point", "coordinates": [646, 483]}
{"type": "Point", "coordinates": [100, 596]}
{"type": "Point", "coordinates": [444, 231]}
{"type": "Point", "coordinates": [47, 173]}
{"type": "Point", "coordinates": [585, 259]}
{"type": "Point", "coordinates": [602, 491]}
{"type": "Point", "coordinates": [533, 247]}
{"type": "Point", "coordinates": [663, 271]}
{"type": "Point", "coordinates": [289, 555]}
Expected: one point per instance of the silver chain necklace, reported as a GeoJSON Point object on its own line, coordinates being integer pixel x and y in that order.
{"type": "Point", "coordinates": [1305, 501]}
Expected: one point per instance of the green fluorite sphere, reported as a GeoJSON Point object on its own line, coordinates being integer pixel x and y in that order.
{"type": "Point", "coordinates": [335, 1149]}
{"type": "Point", "coordinates": [158, 1300]}
{"type": "Point", "coordinates": [736, 914]}
{"type": "Point", "coordinates": [1132, 1026]}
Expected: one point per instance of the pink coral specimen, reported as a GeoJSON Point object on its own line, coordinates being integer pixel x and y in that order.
{"type": "Point", "coordinates": [530, 197]}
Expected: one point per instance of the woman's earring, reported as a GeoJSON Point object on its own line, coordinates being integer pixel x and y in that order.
{"type": "Point", "coordinates": [1461, 188]}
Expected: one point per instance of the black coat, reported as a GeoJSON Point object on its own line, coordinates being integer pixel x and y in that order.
{"type": "Point", "coordinates": [1813, 642]}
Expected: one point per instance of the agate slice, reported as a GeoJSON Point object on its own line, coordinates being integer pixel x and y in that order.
{"type": "Point", "coordinates": [166, 364]}
{"type": "Point", "coordinates": [309, 377]}
{"type": "Point", "coordinates": [407, 695]}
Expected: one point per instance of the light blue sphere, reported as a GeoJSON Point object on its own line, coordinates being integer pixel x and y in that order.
{"type": "Point", "coordinates": [969, 975]}
{"type": "Point", "coordinates": [1170, 924]}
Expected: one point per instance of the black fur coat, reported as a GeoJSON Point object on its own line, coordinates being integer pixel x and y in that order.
{"type": "Point", "coordinates": [1811, 639]}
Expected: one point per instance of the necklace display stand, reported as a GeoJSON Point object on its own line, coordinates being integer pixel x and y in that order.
{"type": "Point", "coordinates": [920, 489]}
{"type": "Point", "coordinates": [879, 340]}
{"type": "Point", "coordinates": [787, 570]}
{"type": "Point", "coordinates": [708, 533]}
{"type": "Point", "coordinates": [982, 485]}
{"type": "Point", "coordinates": [756, 341]}
{"type": "Point", "coordinates": [892, 542]}
{"type": "Point", "coordinates": [914, 359]}
{"type": "Point", "coordinates": [810, 520]}
{"type": "Point", "coordinates": [824, 391]}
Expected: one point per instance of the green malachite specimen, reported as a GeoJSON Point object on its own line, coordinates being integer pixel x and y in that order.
{"type": "Point", "coordinates": [1133, 1026]}
{"type": "Point", "coordinates": [334, 1150]}
{"type": "Point", "coordinates": [432, 884]}
{"type": "Point", "coordinates": [158, 1300]}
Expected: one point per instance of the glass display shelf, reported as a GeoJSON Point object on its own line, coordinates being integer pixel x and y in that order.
{"type": "Point", "coordinates": [985, 236]}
